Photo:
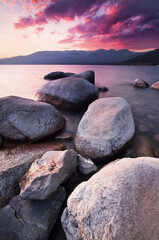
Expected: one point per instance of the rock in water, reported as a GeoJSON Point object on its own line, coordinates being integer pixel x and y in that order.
{"type": "Point", "coordinates": [24, 119]}
{"type": "Point", "coordinates": [68, 93]}
{"type": "Point", "coordinates": [105, 128]}
{"type": "Point", "coordinates": [140, 83]}
{"type": "Point", "coordinates": [121, 201]}
{"type": "Point", "coordinates": [156, 85]}
{"type": "Point", "coordinates": [88, 75]}
{"type": "Point", "coordinates": [30, 220]}
{"type": "Point", "coordinates": [57, 75]}
{"type": "Point", "coordinates": [47, 173]}
{"type": "Point", "coordinates": [86, 166]}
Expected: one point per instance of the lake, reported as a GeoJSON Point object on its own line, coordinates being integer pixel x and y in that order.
{"type": "Point", "coordinates": [24, 80]}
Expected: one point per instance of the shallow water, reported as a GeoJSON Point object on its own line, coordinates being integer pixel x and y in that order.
{"type": "Point", "coordinates": [24, 80]}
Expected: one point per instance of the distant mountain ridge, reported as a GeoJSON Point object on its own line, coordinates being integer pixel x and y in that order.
{"type": "Point", "coordinates": [150, 58]}
{"type": "Point", "coordinates": [100, 56]}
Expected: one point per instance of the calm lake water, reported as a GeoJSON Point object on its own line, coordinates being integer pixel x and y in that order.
{"type": "Point", "coordinates": [24, 80]}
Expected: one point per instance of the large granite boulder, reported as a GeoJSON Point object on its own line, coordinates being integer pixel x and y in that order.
{"type": "Point", "coordinates": [121, 201]}
{"type": "Point", "coordinates": [140, 83]}
{"type": "Point", "coordinates": [68, 93]}
{"type": "Point", "coordinates": [24, 119]}
{"type": "Point", "coordinates": [15, 162]}
{"type": "Point", "coordinates": [30, 220]}
{"type": "Point", "coordinates": [105, 128]}
{"type": "Point", "coordinates": [156, 85]}
{"type": "Point", "coordinates": [88, 75]}
{"type": "Point", "coordinates": [47, 173]}
{"type": "Point", "coordinates": [57, 75]}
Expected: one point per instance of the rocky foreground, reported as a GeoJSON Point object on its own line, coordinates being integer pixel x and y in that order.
{"type": "Point", "coordinates": [118, 201]}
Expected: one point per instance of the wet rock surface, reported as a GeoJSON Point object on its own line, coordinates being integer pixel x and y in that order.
{"type": "Point", "coordinates": [68, 93]}
{"type": "Point", "coordinates": [118, 202]}
{"type": "Point", "coordinates": [42, 119]}
{"type": "Point", "coordinates": [105, 128]}
{"type": "Point", "coordinates": [47, 173]}
{"type": "Point", "coordinates": [30, 219]}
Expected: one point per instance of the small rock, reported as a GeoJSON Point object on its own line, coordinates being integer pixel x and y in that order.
{"type": "Point", "coordinates": [88, 75]}
{"type": "Point", "coordinates": [105, 128]}
{"type": "Point", "coordinates": [63, 136]}
{"type": "Point", "coordinates": [156, 85]}
{"type": "Point", "coordinates": [14, 163]}
{"type": "Point", "coordinates": [120, 202]}
{"type": "Point", "coordinates": [102, 88]}
{"type": "Point", "coordinates": [86, 166]}
{"type": "Point", "coordinates": [68, 93]}
{"type": "Point", "coordinates": [47, 173]}
{"type": "Point", "coordinates": [57, 75]}
{"type": "Point", "coordinates": [30, 220]}
{"type": "Point", "coordinates": [27, 120]}
{"type": "Point", "coordinates": [140, 83]}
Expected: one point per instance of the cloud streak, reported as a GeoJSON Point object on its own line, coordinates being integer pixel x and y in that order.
{"type": "Point", "coordinates": [122, 23]}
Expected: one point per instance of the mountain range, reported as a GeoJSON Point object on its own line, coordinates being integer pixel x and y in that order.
{"type": "Point", "coordinates": [100, 56]}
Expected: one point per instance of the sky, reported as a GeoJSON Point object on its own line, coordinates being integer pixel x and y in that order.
{"type": "Point", "coordinates": [36, 25]}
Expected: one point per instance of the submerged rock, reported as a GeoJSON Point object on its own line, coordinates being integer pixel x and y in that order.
{"type": "Point", "coordinates": [27, 120]}
{"type": "Point", "coordinates": [68, 93]}
{"type": "Point", "coordinates": [25, 219]}
{"type": "Point", "coordinates": [156, 85]}
{"type": "Point", "coordinates": [105, 128]}
{"type": "Point", "coordinates": [143, 146]}
{"type": "Point", "coordinates": [140, 83]}
{"type": "Point", "coordinates": [121, 201]}
{"type": "Point", "coordinates": [86, 166]}
{"type": "Point", "coordinates": [57, 75]}
{"type": "Point", "coordinates": [14, 163]}
{"type": "Point", "coordinates": [88, 75]}
{"type": "Point", "coordinates": [47, 173]}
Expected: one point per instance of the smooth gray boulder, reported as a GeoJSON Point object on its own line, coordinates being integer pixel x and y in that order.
{"type": "Point", "coordinates": [140, 83]}
{"type": "Point", "coordinates": [156, 85]}
{"type": "Point", "coordinates": [30, 220]}
{"type": "Point", "coordinates": [57, 75]}
{"type": "Point", "coordinates": [27, 120]}
{"type": "Point", "coordinates": [15, 162]}
{"type": "Point", "coordinates": [121, 201]}
{"type": "Point", "coordinates": [86, 166]}
{"type": "Point", "coordinates": [47, 173]}
{"type": "Point", "coordinates": [68, 93]}
{"type": "Point", "coordinates": [105, 128]}
{"type": "Point", "coordinates": [88, 75]}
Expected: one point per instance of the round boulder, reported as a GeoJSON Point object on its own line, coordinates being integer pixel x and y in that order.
{"type": "Point", "coordinates": [121, 201]}
{"type": "Point", "coordinates": [105, 128]}
{"type": "Point", "coordinates": [57, 75]}
{"type": "Point", "coordinates": [68, 93]}
{"type": "Point", "coordinates": [156, 85]}
{"type": "Point", "coordinates": [140, 83]}
{"type": "Point", "coordinates": [24, 119]}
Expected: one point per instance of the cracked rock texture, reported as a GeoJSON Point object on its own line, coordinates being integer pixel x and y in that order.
{"type": "Point", "coordinates": [121, 201]}
{"type": "Point", "coordinates": [14, 163]}
{"type": "Point", "coordinates": [86, 166]}
{"type": "Point", "coordinates": [30, 220]}
{"type": "Point", "coordinates": [47, 173]}
{"type": "Point", "coordinates": [105, 128]}
{"type": "Point", "coordinates": [68, 93]}
{"type": "Point", "coordinates": [24, 119]}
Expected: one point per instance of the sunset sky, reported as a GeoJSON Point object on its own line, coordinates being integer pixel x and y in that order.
{"type": "Point", "coordinates": [36, 25]}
